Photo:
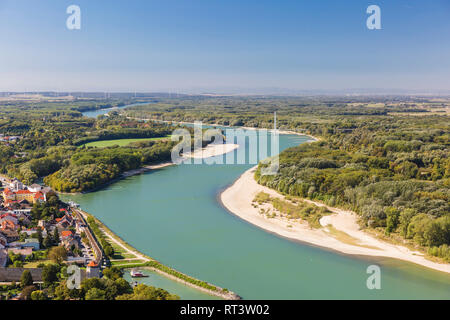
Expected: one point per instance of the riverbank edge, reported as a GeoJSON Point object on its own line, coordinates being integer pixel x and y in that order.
{"type": "Point", "coordinates": [219, 292]}
{"type": "Point", "coordinates": [123, 175]}
{"type": "Point", "coordinates": [282, 131]}
{"type": "Point", "coordinates": [428, 264]}
{"type": "Point", "coordinates": [137, 171]}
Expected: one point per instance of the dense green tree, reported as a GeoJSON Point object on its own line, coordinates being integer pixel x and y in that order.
{"type": "Point", "coordinates": [26, 292]}
{"type": "Point", "coordinates": [50, 274]}
{"type": "Point", "coordinates": [57, 254]}
{"type": "Point", "coordinates": [26, 279]}
{"type": "Point", "coordinates": [38, 295]}
{"type": "Point", "coordinates": [55, 237]}
{"type": "Point", "coordinates": [95, 294]}
{"type": "Point", "coordinates": [113, 273]}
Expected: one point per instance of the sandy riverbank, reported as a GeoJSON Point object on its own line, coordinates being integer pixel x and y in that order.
{"type": "Point", "coordinates": [239, 200]}
{"type": "Point", "coordinates": [210, 150]}
{"type": "Point", "coordinates": [213, 150]}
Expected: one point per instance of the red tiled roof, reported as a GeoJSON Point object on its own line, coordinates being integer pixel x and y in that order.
{"type": "Point", "coordinates": [38, 195]}
{"type": "Point", "coordinates": [7, 191]}
{"type": "Point", "coordinates": [66, 233]}
{"type": "Point", "coordinates": [92, 264]}
{"type": "Point", "coordinates": [24, 192]}
{"type": "Point", "coordinates": [8, 214]}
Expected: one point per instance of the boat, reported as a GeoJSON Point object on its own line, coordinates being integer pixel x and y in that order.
{"type": "Point", "coordinates": [137, 274]}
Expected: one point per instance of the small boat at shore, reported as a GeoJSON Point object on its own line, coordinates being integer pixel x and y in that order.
{"type": "Point", "coordinates": [137, 274]}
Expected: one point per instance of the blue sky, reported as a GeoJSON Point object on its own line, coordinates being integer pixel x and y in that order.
{"type": "Point", "coordinates": [210, 45]}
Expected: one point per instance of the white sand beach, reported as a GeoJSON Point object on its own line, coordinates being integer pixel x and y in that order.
{"type": "Point", "coordinates": [213, 150]}
{"type": "Point", "coordinates": [239, 200]}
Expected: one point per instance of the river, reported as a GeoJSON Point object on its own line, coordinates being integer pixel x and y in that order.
{"type": "Point", "coordinates": [173, 215]}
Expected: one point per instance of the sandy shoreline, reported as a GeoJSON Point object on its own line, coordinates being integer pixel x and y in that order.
{"type": "Point", "coordinates": [213, 150]}
{"type": "Point", "coordinates": [238, 199]}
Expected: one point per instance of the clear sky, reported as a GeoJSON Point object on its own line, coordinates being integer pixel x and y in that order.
{"type": "Point", "coordinates": [210, 45]}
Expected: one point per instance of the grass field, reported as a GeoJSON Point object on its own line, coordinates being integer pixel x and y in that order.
{"type": "Point", "coordinates": [120, 142]}
{"type": "Point", "coordinates": [34, 264]}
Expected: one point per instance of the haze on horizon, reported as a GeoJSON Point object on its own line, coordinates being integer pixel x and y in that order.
{"type": "Point", "coordinates": [225, 46]}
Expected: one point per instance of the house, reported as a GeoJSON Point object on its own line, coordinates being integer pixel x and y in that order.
{"type": "Point", "coordinates": [92, 270]}
{"type": "Point", "coordinates": [68, 239]}
{"type": "Point", "coordinates": [7, 224]}
{"type": "Point", "coordinates": [23, 218]}
{"type": "Point", "coordinates": [65, 222]}
{"type": "Point", "coordinates": [42, 224]}
{"type": "Point", "coordinates": [9, 138]}
{"type": "Point", "coordinates": [39, 197]}
{"type": "Point", "coordinates": [20, 211]}
{"type": "Point", "coordinates": [73, 204]}
{"type": "Point", "coordinates": [11, 196]}
{"type": "Point", "coordinates": [24, 203]}
{"type": "Point", "coordinates": [22, 251]}
{"type": "Point", "coordinates": [25, 195]}
{"type": "Point", "coordinates": [77, 260]}
{"type": "Point", "coordinates": [28, 243]}
{"type": "Point", "coordinates": [3, 240]}
{"type": "Point", "coordinates": [3, 257]}
{"type": "Point", "coordinates": [79, 227]}
{"type": "Point", "coordinates": [70, 243]}
{"type": "Point", "coordinates": [10, 235]}
{"type": "Point", "coordinates": [9, 217]}
{"type": "Point", "coordinates": [35, 188]}
{"type": "Point", "coordinates": [16, 185]}
{"type": "Point", "coordinates": [29, 232]}
{"type": "Point", "coordinates": [66, 234]}
{"type": "Point", "coordinates": [8, 195]}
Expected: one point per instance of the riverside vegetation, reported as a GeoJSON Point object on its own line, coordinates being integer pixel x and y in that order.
{"type": "Point", "coordinates": [54, 287]}
{"type": "Point", "coordinates": [291, 208]}
{"type": "Point", "coordinates": [52, 138]}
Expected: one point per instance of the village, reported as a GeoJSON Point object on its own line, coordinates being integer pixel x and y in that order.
{"type": "Point", "coordinates": [35, 227]}
{"type": "Point", "coordinates": [9, 139]}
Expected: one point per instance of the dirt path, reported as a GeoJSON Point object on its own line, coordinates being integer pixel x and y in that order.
{"type": "Point", "coordinates": [138, 256]}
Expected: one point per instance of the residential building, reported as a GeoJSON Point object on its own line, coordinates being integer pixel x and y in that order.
{"type": "Point", "coordinates": [35, 188]}
{"type": "Point", "coordinates": [3, 257]}
{"type": "Point", "coordinates": [15, 185]}
{"type": "Point", "coordinates": [28, 243]}
{"type": "Point", "coordinates": [10, 196]}
{"type": "Point", "coordinates": [10, 235]}
{"type": "Point", "coordinates": [92, 270]}
{"type": "Point", "coordinates": [22, 251]}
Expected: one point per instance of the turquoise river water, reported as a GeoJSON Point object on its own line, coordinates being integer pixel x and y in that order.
{"type": "Point", "coordinates": [174, 215]}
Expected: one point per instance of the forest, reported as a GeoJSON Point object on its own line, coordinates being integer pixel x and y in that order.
{"type": "Point", "coordinates": [49, 146]}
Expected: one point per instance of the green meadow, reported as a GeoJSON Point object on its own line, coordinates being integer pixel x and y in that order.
{"type": "Point", "coordinates": [120, 142]}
